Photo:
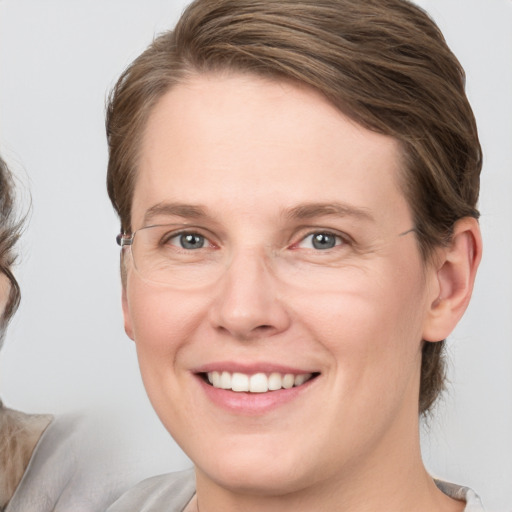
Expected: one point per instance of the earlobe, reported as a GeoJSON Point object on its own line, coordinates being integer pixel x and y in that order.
{"type": "Point", "coordinates": [455, 277]}
{"type": "Point", "coordinates": [126, 314]}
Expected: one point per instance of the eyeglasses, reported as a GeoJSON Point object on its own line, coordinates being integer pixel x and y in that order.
{"type": "Point", "coordinates": [179, 255]}
{"type": "Point", "coordinates": [187, 256]}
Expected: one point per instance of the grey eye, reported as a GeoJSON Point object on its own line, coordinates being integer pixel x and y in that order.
{"type": "Point", "coordinates": [323, 241]}
{"type": "Point", "coordinates": [191, 241]}
{"type": "Point", "coordinates": [320, 241]}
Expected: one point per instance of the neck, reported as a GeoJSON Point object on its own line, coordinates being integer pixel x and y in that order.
{"type": "Point", "coordinates": [19, 434]}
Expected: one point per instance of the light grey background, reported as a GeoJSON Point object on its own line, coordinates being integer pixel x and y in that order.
{"type": "Point", "coordinates": [66, 349]}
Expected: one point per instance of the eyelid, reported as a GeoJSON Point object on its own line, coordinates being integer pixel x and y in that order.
{"type": "Point", "coordinates": [174, 240]}
{"type": "Point", "coordinates": [308, 231]}
{"type": "Point", "coordinates": [189, 230]}
{"type": "Point", "coordinates": [213, 240]}
{"type": "Point", "coordinates": [337, 240]}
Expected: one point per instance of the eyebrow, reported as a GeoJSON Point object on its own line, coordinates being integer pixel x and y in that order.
{"type": "Point", "coordinates": [299, 212]}
{"type": "Point", "coordinates": [174, 210]}
{"type": "Point", "coordinates": [312, 210]}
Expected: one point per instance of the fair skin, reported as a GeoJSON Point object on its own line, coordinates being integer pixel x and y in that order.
{"type": "Point", "coordinates": [5, 288]}
{"type": "Point", "coordinates": [258, 167]}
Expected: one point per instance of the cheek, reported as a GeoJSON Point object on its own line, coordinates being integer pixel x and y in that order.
{"type": "Point", "coordinates": [368, 313]}
{"type": "Point", "coordinates": [372, 325]}
{"type": "Point", "coordinates": [162, 320]}
{"type": "Point", "coordinates": [163, 324]}
{"type": "Point", "coordinates": [5, 288]}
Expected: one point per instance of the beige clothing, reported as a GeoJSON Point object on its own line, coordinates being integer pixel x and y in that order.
{"type": "Point", "coordinates": [19, 435]}
{"type": "Point", "coordinates": [75, 467]}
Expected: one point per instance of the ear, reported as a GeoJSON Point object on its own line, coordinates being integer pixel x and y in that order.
{"type": "Point", "coordinates": [126, 314]}
{"type": "Point", "coordinates": [454, 277]}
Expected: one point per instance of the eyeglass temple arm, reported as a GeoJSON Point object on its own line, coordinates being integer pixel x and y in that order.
{"type": "Point", "coordinates": [123, 239]}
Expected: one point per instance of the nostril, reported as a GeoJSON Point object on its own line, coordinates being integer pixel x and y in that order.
{"type": "Point", "coordinates": [248, 334]}
{"type": "Point", "coordinates": [264, 327]}
{"type": "Point", "coordinates": [262, 331]}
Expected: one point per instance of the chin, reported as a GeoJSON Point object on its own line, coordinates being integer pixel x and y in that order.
{"type": "Point", "coordinates": [263, 481]}
{"type": "Point", "coordinates": [258, 469]}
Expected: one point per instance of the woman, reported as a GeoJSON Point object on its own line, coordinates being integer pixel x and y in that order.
{"type": "Point", "coordinates": [19, 433]}
{"type": "Point", "coordinates": [47, 463]}
{"type": "Point", "coordinates": [297, 187]}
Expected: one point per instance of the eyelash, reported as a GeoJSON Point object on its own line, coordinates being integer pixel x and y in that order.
{"type": "Point", "coordinates": [340, 240]}
{"type": "Point", "coordinates": [166, 239]}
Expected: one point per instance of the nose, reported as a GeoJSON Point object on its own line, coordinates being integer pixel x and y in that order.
{"type": "Point", "coordinates": [247, 304]}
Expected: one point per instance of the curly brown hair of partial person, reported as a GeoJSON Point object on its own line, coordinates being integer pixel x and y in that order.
{"type": "Point", "coordinates": [10, 227]}
{"type": "Point", "coordinates": [383, 63]}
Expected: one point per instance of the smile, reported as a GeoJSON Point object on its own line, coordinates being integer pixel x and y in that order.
{"type": "Point", "coordinates": [258, 382]}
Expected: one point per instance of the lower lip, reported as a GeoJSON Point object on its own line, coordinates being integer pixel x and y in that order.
{"type": "Point", "coordinates": [252, 404]}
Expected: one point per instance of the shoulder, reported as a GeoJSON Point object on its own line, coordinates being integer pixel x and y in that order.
{"type": "Point", "coordinates": [19, 435]}
{"type": "Point", "coordinates": [50, 471]}
{"type": "Point", "coordinates": [172, 491]}
{"type": "Point", "coordinates": [459, 492]}
{"type": "Point", "coordinates": [76, 466]}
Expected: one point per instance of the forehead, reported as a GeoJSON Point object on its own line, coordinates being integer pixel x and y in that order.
{"type": "Point", "coordinates": [243, 143]}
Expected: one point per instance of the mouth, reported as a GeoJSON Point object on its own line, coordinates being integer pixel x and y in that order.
{"type": "Point", "coordinates": [256, 382]}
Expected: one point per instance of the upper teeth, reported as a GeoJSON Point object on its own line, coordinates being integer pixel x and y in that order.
{"type": "Point", "coordinates": [256, 383]}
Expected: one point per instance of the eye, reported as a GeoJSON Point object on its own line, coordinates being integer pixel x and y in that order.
{"type": "Point", "coordinates": [320, 241]}
{"type": "Point", "coordinates": [189, 241]}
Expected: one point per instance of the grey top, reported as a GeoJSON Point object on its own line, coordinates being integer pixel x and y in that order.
{"type": "Point", "coordinates": [163, 493]}
{"type": "Point", "coordinates": [473, 503]}
{"type": "Point", "coordinates": [172, 492]}
{"type": "Point", "coordinates": [72, 469]}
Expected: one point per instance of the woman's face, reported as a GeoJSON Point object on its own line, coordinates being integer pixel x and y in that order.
{"type": "Point", "coordinates": [5, 288]}
{"type": "Point", "coordinates": [297, 260]}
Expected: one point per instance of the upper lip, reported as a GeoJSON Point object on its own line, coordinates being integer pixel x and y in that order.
{"type": "Point", "coordinates": [251, 368]}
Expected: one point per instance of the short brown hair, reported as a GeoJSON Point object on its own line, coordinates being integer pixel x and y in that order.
{"type": "Point", "coordinates": [384, 63]}
{"type": "Point", "coordinates": [9, 234]}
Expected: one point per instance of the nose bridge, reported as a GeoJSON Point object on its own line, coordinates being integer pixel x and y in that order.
{"type": "Point", "coordinates": [247, 301]}
{"type": "Point", "coordinates": [249, 271]}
